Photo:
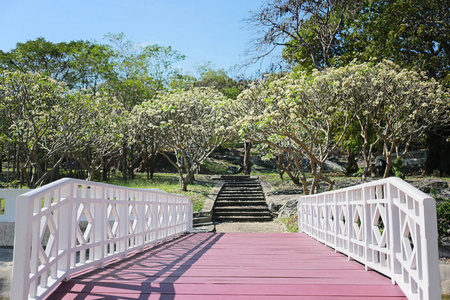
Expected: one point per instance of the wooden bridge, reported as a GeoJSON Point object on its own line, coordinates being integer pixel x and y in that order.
{"type": "Point", "coordinates": [233, 266]}
{"type": "Point", "coordinates": [95, 241]}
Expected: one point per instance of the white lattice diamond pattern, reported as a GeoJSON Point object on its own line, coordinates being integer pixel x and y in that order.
{"type": "Point", "coordinates": [409, 251]}
{"type": "Point", "coordinates": [378, 225]}
{"type": "Point", "coordinates": [357, 223]}
{"type": "Point", "coordinates": [322, 217]}
{"type": "Point", "coordinates": [148, 217]}
{"type": "Point", "coordinates": [133, 218]}
{"type": "Point", "coordinates": [343, 220]}
{"type": "Point", "coordinates": [48, 227]}
{"type": "Point", "coordinates": [113, 223]}
{"type": "Point", "coordinates": [83, 210]}
{"type": "Point", "coordinates": [331, 219]}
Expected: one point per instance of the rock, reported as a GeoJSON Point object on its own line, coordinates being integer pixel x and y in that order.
{"type": "Point", "coordinates": [426, 184]}
{"type": "Point", "coordinates": [288, 209]}
{"type": "Point", "coordinates": [346, 183]}
{"type": "Point", "coordinates": [274, 207]}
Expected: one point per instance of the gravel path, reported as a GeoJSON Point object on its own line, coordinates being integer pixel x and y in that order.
{"type": "Point", "coordinates": [273, 226]}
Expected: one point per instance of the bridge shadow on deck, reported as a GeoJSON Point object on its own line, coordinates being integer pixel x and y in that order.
{"type": "Point", "coordinates": [254, 266]}
{"type": "Point", "coordinates": [152, 272]}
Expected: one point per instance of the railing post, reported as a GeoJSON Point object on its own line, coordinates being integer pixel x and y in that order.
{"type": "Point", "coordinates": [66, 232]}
{"type": "Point", "coordinates": [100, 219]}
{"type": "Point", "coordinates": [366, 226]}
{"type": "Point", "coordinates": [336, 222]}
{"type": "Point", "coordinates": [21, 267]}
{"type": "Point", "coordinates": [394, 229]}
{"type": "Point", "coordinates": [141, 221]}
{"type": "Point", "coordinates": [430, 253]}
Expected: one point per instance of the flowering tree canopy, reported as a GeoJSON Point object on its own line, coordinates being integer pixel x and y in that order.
{"type": "Point", "coordinates": [313, 111]}
{"type": "Point", "coordinates": [190, 123]}
{"type": "Point", "coordinates": [397, 105]}
{"type": "Point", "coordinates": [304, 109]}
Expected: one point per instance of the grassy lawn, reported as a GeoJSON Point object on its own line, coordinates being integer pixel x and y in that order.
{"type": "Point", "coordinates": [168, 182]}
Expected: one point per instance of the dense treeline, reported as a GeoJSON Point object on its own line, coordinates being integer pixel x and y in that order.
{"type": "Point", "coordinates": [365, 78]}
{"type": "Point", "coordinates": [71, 109]}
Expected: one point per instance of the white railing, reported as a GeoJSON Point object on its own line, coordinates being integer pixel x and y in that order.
{"type": "Point", "coordinates": [51, 243]}
{"type": "Point", "coordinates": [8, 202]}
{"type": "Point", "coordinates": [387, 225]}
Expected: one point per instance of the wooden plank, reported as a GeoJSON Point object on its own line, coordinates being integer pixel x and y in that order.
{"type": "Point", "coordinates": [233, 266]}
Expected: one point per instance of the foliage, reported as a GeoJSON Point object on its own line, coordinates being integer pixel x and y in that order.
{"type": "Point", "coordinates": [190, 123]}
{"type": "Point", "coordinates": [29, 120]}
{"type": "Point", "coordinates": [80, 64]}
{"type": "Point", "coordinates": [298, 113]}
{"type": "Point", "coordinates": [308, 30]}
{"type": "Point", "coordinates": [395, 107]}
{"type": "Point", "coordinates": [397, 168]}
{"type": "Point", "coordinates": [291, 223]}
{"type": "Point", "coordinates": [413, 34]}
{"type": "Point", "coordinates": [220, 80]}
{"type": "Point", "coordinates": [443, 219]}
{"type": "Point", "coordinates": [170, 184]}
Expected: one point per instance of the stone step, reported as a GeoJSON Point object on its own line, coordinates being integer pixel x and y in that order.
{"type": "Point", "coordinates": [196, 220]}
{"type": "Point", "coordinates": [240, 203]}
{"type": "Point", "coordinates": [242, 213]}
{"type": "Point", "coordinates": [249, 198]}
{"type": "Point", "coordinates": [241, 208]}
{"type": "Point", "coordinates": [241, 193]}
{"type": "Point", "coordinates": [244, 219]}
{"type": "Point", "coordinates": [203, 229]}
{"type": "Point", "coordinates": [203, 224]}
{"type": "Point", "coordinates": [241, 186]}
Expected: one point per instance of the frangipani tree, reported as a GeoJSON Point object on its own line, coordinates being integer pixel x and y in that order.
{"type": "Point", "coordinates": [313, 111]}
{"type": "Point", "coordinates": [305, 110]}
{"type": "Point", "coordinates": [28, 119]}
{"type": "Point", "coordinates": [189, 123]}
{"type": "Point", "coordinates": [99, 120]}
{"type": "Point", "coordinates": [396, 107]}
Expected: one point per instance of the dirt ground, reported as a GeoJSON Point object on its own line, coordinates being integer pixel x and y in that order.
{"type": "Point", "coordinates": [273, 226]}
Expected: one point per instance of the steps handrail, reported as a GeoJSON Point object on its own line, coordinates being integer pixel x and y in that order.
{"type": "Point", "coordinates": [387, 225]}
{"type": "Point", "coordinates": [50, 244]}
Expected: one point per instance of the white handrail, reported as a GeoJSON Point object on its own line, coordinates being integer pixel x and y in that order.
{"type": "Point", "coordinates": [387, 225]}
{"type": "Point", "coordinates": [8, 197]}
{"type": "Point", "coordinates": [51, 243]}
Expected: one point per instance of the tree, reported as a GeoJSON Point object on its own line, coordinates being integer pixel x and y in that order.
{"type": "Point", "coordinates": [413, 34]}
{"type": "Point", "coordinates": [219, 79]}
{"type": "Point", "coordinates": [32, 119]}
{"type": "Point", "coordinates": [304, 111]}
{"type": "Point", "coordinates": [80, 64]}
{"type": "Point", "coordinates": [100, 119]}
{"type": "Point", "coordinates": [396, 107]}
{"type": "Point", "coordinates": [141, 72]}
{"type": "Point", "coordinates": [189, 123]}
{"type": "Point", "coordinates": [308, 30]}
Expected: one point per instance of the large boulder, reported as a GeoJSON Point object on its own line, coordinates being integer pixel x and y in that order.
{"type": "Point", "coordinates": [288, 209]}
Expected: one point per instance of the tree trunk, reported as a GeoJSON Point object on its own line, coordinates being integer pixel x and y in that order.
{"type": "Point", "coordinates": [247, 168]}
{"type": "Point", "coordinates": [352, 165]}
{"type": "Point", "coordinates": [104, 169]}
{"type": "Point", "coordinates": [131, 169]}
{"type": "Point", "coordinates": [124, 163]}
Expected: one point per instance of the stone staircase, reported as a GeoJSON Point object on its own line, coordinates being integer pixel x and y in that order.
{"type": "Point", "coordinates": [241, 200]}
{"type": "Point", "coordinates": [202, 223]}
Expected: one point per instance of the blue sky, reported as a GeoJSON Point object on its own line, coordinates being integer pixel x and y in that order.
{"type": "Point", "coordinates": [203, 30]}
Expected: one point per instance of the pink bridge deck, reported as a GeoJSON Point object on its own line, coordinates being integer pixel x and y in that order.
{"type": "Point", "coordinates": [233, 266]}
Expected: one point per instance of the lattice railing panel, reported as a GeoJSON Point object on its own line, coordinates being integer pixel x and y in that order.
{"type": "Point", "coordinates": [70, 225]}
{"type": "Point", "coordinates": [387, 225]}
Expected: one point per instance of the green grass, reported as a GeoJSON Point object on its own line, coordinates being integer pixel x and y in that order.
{"type": "Point", "coordinates": [169, 183]}
{"type": "Point", "coordinates": [291, 223]}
